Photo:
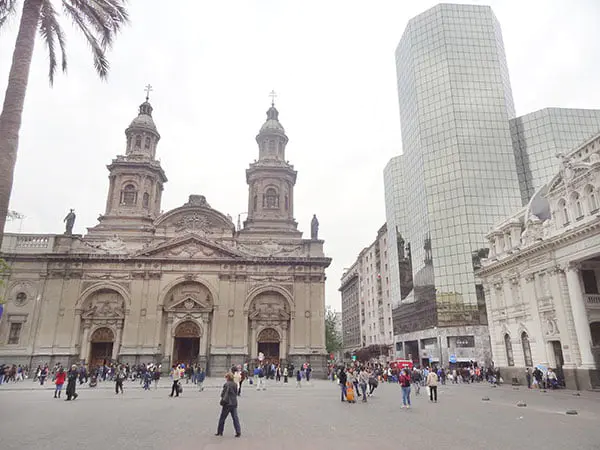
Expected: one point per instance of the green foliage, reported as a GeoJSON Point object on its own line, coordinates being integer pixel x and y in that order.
{"type": "Point", "coordinates": [333, 340]}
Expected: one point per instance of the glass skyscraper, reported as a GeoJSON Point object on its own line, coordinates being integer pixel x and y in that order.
{"type": "Point", "coordinates": [539, 136]}
{"type": "Point", "coordinates": [459, 165]}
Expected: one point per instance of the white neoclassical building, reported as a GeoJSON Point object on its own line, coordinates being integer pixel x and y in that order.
{"type": "Point", "coordinates": [542, 276]}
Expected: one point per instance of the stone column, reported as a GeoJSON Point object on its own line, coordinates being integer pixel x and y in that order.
{"type": "Point", "coordinates": [76, 329]}
{"type": "Point", "coordinates": [541, 352]}
{"type": "Point", "coordinates": [168, 350]}
{"type": "Point", "coordinates": [252, 346]}
{"type": "Point", "coordinates": [284, 341]}
{"type": "Point", "coordinates": [117, 343]}
{"type": "Point", "coordinates": [85, 343]}
{"type": "Point", "coordinates": [580, 318]}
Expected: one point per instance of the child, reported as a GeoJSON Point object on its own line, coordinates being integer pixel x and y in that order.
{"type": "Point", "coordinates": [298, 378]}
{"type": "Point", "coordinates": [60, 380]}
{"type": "Point", "coordinates": [350, 392]}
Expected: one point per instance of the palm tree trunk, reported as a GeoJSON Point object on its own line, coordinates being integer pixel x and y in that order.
{"type": "Point", "coordinates": [12, 111]}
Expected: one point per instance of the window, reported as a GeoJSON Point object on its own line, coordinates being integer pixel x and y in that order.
{"type": "Point", "coordinates": [271, 199]}
{"type": "Point", "coordinates": [129, 195]}
{"type": "Point", "coordinates": [590, 283]}
{"type": "Point", "coordinates": [562, 205]}
{"type": "Point", "coordinates": [509, 352]}
{"type": "Point", "coordinates": [15, 333]}
{"type": "Point", "coordinates": [138, 141]}
{"type": "Point", "coordinates": [20, 299]}
{"type": "Point", "coordinates": [146, 200]}
{"type": "Point", "coordinates": [595, 329]}
{"type": "Point", "coordinates": [147, 143]}
{"type": "Point", "coordinates": [578, 207]}
{"type": "Point", "coordinates": [592, 200]}
{"type": "Point", "coordinates": [255, 203]}
{"type": "Point", "coordinates": [287, 203]}
{"type": "Point", "coordinates": [526, 350]}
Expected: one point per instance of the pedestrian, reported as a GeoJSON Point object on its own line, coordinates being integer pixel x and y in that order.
{"type": "Point", "coordinates": [528, 377]}
{"type": "Point", "coordinates": [60, 380]}
{"type": "Point", "coordinates": [373, 383]}
{"type": "Point", "coordinates": [175, 376]}
{"type": "Point", "coordinates": [285, 374]}
{"type": "Point", "coordinates": [261, 379]}
{"type": "Point", "coordinates": [72, 383]}
{"type": "Point", "coordinates": [342, 379]}
{"type": "Point", "coordinates": [363, 380]}
{"type": "Point", "coordinates": [298, 378]}
{"type": "Point", "coordinates": [405, 385]}
{"type": "Point", "coordinates": [119, 377]}
{"type": "Point", "coordinates": [229, 404]}
{"type": "Point", "coordinates": [200, 377]}
{"type": "Point", "coordinates": [308, 372]}
{"type": "Point", "coordinates": [432, 384]}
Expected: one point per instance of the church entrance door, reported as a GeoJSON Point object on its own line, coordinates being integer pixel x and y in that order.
{"type": "Point", "coordinates": [268, 344]}
{"type": "Point", "coordinates": [186, 345]}
{"type": "Point", "coordinates": [102, 342]}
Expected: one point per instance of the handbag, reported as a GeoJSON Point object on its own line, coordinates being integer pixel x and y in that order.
{"type": "Point", "coordinates": [223, 402]}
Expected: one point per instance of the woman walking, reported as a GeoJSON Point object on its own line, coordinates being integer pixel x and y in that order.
{"type": "Point", "coordinates": [229, 403]}
{"type": "Point", "coordinates": [60, 380]}
{"type": "Point", "coordinates": [72, 383]}
{"type": "Point", "coordinates": [405, 384]}
{"type": "Point", "coordinates": [176, 375]}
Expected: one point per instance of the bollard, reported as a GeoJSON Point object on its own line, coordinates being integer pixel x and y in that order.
{"type": "Point", "coordinates": [572, 412]}
{"type": "Point", "coordinates": [485, 399]}
{"type": "Point", "coordinates": [521, 404]}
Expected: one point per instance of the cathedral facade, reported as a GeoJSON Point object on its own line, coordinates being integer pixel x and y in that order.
{"type": "Point", "coordinates": [181, 286]}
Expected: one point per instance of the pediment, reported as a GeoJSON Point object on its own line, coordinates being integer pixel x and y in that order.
{"type": "Point", "coordinates": [190, 246]}
{"type": "Point", "coordinates": [198, 217]}
{"type": "Point", "coordinates": [190, 303]}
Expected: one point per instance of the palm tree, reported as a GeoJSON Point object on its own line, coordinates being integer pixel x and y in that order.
{"type": "Point", "coordinates": [98, 20]}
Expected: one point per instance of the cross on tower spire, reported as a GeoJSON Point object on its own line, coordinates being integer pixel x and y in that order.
{"type": "Point", "coordinates": [273, 95]}
{"type": "Point", "coordinates": [148, 89]}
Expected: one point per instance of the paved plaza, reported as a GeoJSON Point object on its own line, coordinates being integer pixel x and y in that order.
{"type": "Point", "coordinates": [285, 417]}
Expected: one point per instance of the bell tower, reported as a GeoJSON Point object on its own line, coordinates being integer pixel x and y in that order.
{"type": "Point", "coordinates": [136, 180]}
{"type": "Point", "coordinates": [271, 180]}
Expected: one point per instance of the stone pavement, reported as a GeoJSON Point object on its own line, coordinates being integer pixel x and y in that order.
{"type": "Point", "coordinates": [285, 417]}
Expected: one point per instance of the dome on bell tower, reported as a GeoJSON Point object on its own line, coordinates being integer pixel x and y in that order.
{"type": "Point", "coordinates": [142, 135]}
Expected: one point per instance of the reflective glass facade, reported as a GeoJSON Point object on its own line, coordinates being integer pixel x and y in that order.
{"type": "Point", "coordinates": [539, 136]}
{"type": "Point", "coordinates": [393, 181]}
{"type": "Point", "coordinates": [459, 165]}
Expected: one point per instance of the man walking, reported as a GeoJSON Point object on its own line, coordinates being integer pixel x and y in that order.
{"type": "Point", "coordinates": [119, 378]}
{"type": "Point", "coordinates": [229, 404]}
{"type": "Point", "coordinates": [432, 384]}
{"type": "Point", "coordinates": [175, 375]}
{"type": "Point", "coordinates": [343, 378]}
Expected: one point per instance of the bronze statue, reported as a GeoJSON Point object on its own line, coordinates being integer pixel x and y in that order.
{"type": "Point", "coordinates": [70, 221]}
{"type": "Point", "coordinates": [314, 228]}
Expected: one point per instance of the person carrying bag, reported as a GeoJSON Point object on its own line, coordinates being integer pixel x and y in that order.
{"type": "Point", "coordinates": [229, 403]}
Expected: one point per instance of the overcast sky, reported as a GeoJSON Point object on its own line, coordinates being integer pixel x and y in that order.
{"type": "Point", "coordinates": [212, 65]}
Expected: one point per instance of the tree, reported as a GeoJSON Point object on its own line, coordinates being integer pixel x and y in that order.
{"type": "Point", "coordinates": [98, 20]}
{"type": "Point", "coordinates": [333, 340]}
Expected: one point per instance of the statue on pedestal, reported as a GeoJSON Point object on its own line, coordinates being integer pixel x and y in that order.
{"type": "Point", "coordinates": [69, 221]}
{"type": "Point", "coordinates": [314, 228]}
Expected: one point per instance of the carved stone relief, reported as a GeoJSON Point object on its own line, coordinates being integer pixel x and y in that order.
{"type": "Point", "coordinates": [269, 308]}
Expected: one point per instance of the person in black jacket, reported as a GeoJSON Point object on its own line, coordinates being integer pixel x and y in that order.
{"type": "Point", "coordinates": [229, 403]}
{"type": "Point", "coordinates": [72, 383]}
{"type": "Point", "coordinates": [343, 378]}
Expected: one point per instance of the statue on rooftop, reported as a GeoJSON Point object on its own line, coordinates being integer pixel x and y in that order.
{"type": "Point", "coordinates": [69, 221]}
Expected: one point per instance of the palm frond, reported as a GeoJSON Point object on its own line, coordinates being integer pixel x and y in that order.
{"type": "Point", "coordinates": [51, 33]}
{"type": "Point", "coordinates": [104, 18]}
{"type": "Point", "coordinates": [100, 62]}
{"type": "Point", "coordinates": [7, 9]}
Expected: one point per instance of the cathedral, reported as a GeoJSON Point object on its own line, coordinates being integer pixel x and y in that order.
{"type": "Point", "coordinates": [178, 286]}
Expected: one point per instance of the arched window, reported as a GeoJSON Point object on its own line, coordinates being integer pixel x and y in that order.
{"type": "Point", "coordinates": [595, 329]}
{"type": "Point", "coordinates": [287, 203]}
{"type": "Point", "coordinates": [509, 352]}
{"type": "Point", "coordinates": [563, 211]}
{"type": "Point", "coordinates": [592, 199]}
{"type": "Point", "coordinates": [138, 141]}
{"type": "Point", "coordinates": [526, 350]}
{"type": "Point", "coordinates": [271, 199]}
{"type": "Point", "coordinates": [129, 195]}
{"type": "Point", "coordinates": [578, 208]}
{"type": "Point", "coordinates": [146, 200]}
{"type": "Point", "coordinates": [147, 143]}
